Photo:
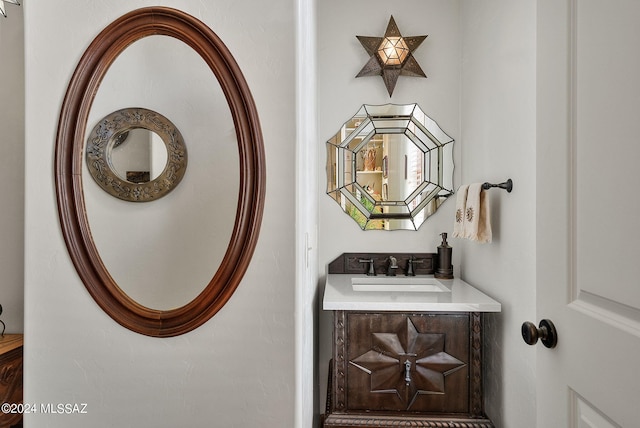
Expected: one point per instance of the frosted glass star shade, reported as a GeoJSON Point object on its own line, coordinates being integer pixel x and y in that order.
{"type": "Point", "coordinates": [393, 51]}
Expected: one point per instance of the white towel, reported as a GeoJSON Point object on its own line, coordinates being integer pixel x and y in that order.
{"type": "Point", "coordinates": [477, 224]}
{"type": "Point", "coordinates": [461, 205]}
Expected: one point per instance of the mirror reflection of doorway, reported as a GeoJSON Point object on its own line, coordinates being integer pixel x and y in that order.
{"type": "Point", "coordinates": [138, 155]}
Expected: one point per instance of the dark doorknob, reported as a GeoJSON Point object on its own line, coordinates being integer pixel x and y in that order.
{"type": "Point", "coordinates": [546, 332]}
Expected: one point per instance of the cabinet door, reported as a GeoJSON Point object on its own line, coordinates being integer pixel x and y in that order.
{"type": "Point", "coordinates": [408, 362]}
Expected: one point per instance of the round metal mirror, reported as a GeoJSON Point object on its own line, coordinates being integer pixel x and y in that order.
{"type": "Point", "coordinates": [136, 155]}
{"type": "Point", "coordinates": [390, 167]}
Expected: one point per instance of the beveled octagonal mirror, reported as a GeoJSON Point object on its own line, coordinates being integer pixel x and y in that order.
{"type": "Point", "coordinates": [113, 278]}
{"type": "Point", "coordinates": [390, 167]}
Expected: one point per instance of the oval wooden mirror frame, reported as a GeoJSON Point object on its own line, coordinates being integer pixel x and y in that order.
{"type": "Point", "coordinates": [69, 160]}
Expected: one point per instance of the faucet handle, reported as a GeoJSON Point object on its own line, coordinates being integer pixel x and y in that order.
{"type": "Point", "coordinates": [371, 270]}
{"type": "Point", "coordinates": [393, 265]}
{"type": "Point", "coordinates": [410, 263]}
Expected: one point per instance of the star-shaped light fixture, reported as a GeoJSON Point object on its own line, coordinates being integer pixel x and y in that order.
{"type": "Point", "coordinates": [391, 56]}
{"type": "Point", "coordinates": [3, 8]}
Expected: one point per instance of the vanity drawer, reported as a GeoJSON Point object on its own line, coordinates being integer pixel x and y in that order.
{"type": "Point", "coordinates": [407, 363]}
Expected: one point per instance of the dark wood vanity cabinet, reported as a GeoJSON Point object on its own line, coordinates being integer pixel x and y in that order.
{"type": "Point", "coordinates": [10, 378]}
{"type": "Point", "coordinates": [392, 369]}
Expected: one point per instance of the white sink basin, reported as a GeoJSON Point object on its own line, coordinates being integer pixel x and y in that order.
{"type": "Point", "coordinates": [403, 284]}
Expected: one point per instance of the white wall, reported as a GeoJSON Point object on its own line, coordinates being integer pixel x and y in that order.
{"type": "Point", "coordinates": [340, 95]}
{"type": "Point", "coordinates": [237, 370]}
{"type": "Point", "coordinates": [12, 168]}
{"type": "Point", "coordinates": [498, 142]}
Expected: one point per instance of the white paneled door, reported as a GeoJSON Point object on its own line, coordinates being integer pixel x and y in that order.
{"type": "Point", "coordinates": [588, 218]}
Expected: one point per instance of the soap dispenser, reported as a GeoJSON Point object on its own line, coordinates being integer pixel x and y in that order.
{"type": "Point", "coordinates": [444, 268]}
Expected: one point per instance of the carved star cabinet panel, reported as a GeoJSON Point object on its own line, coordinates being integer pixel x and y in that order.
{"type": "Point", "coordinates": [406, 369]}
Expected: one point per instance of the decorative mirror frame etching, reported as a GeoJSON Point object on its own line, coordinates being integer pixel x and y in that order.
{"type": "Point", "coordinates": [76, 106]}
{"type": "Point", "coordinates": [106, 134]}
{"type": "Point", "coordinates": [361, 136]}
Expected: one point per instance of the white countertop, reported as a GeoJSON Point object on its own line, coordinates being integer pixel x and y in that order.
{"type": "Point", "coordinates": [339, 295]}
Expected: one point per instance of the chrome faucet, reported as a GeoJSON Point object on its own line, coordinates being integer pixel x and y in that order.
{"type": "Point", "coordinates": [393, 266]}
